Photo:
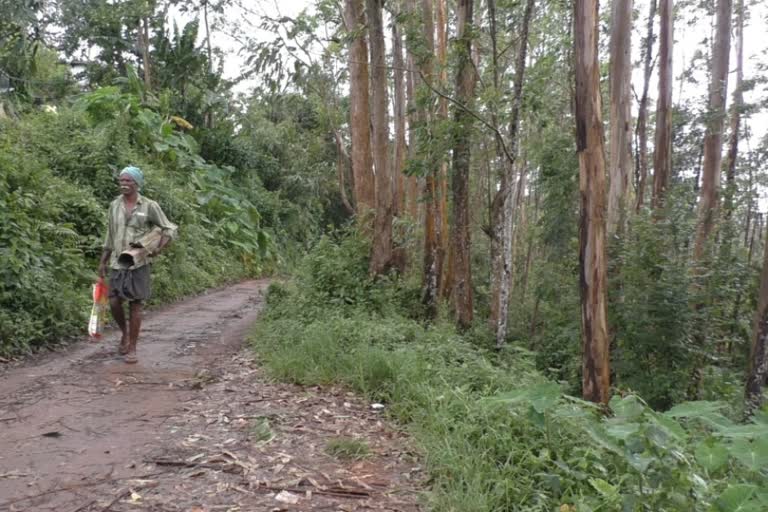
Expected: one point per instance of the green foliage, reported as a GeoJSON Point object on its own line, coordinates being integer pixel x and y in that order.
{"type": "Point", "coordinates": [57, 180]}
{"type": "Point", "coordinates": [261, 431]}
{"type": "Point", "coordinates": [495, 435]}
{"type": "Point", "coordinates": [47, 226]}
{"type": "Point", "coordinates": [347, 448]}
{"type": "Point", "coordinates": [650, 307]}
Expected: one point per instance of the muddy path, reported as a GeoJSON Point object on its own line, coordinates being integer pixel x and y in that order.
{"type": "Point", "coordinates": [194, 426]}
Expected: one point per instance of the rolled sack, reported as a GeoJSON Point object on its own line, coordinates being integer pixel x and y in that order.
{"type": "Point", "coordinates": [140, 250]}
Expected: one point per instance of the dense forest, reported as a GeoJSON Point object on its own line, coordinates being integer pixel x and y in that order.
{"type": "Point", "coordinates": [525, 226]}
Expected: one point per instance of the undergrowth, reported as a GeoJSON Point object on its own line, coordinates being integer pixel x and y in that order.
{"type": "Point", "coordinates": [495, 434]}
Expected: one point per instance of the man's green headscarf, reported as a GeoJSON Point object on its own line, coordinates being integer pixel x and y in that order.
{"type": "Point", "coordinates": [135, 174]}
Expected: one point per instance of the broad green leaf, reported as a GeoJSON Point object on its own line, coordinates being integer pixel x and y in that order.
{"type": "Point", "coordinates": [711, 455]}
{"type": "Point", "coordinates": [670, 426]}
{"type": "Point", "coordinates": [736, 498]}
{"type": "Point", "coordinates": [753, 454]}
{"type": "Point", "coordinates": [639, 461]}
{"type": "Point", "coordinates": [717, 420]}
{"type": "Point", "coordinates": [694, 409]}
{"type": "Point", "coordinates": [760, 417]}
{"type": "Point", "coordinates": [744, 431]}
{"type": "Point", "coordinates": [658, 436]}
{"type": "Point", "coordinates": [607, 490]}
{"type": "Point", "coordinates": [545, 396]}
{"type": "Point", "coordinates": [618, 428]}
{"type": "Point", "coordinates": [628, 407]}
{"type": "Point", "coordinates": [599, 436]}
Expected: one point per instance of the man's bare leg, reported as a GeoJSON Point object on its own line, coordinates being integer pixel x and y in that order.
{"type": "Point", "coordinates": [118, 313]}
{"type": "Point", "coordinates": [135, 329]}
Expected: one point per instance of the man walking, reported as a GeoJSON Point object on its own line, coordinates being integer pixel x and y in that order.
{"type": "Point", "coordinates": [131, 218]}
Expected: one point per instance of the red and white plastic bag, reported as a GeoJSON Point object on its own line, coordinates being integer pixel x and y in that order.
{"type": "Point", "coordinates": [99, 310]}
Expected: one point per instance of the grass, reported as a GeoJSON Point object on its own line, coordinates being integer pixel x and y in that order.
{"type": "Point", "coordinates": [496, 435]}
{"type": "Point", "coordinates": [261, 431]}
{"type": "Point", "coordinates": [347, 448]}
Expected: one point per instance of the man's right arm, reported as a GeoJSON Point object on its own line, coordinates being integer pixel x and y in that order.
{"type": "Point", "coordinates": [103, 262]}
{"type": "Point", "coordinates": [107, 252]}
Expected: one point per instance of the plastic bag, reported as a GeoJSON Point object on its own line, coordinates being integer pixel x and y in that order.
{"type": "Point", "coordinates": [99, 310]}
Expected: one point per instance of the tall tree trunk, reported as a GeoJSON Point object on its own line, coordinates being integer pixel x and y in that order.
{"type": "Point", "coordinates": [433, 253]}
{"type": "Point", "coordinates": [592, 254]}
{"type": "Point", "coordinates": [342, 163]}
{"type": "Point", "coordinates": [208, 112]}
{"type": "Point", "coordinates": [758, 357]}
{"type": "Point", "coordinates": [460, 240]}
{"type": "Point", "coordinates": [401, 149]}
{"type": "Point", "coordinates": [359, 110]}
{"type": "Point", "coordinates": [662, 156]}
{"type": "Point", "coordinates": [621, 117]}
{"type": "Point", "coordinates": [529, 252]}
{"type": "Point", "coordinates": [411, 82]}
{"type": "Point", "coordinates": [381, 255]}
{"type": "Point", "coordinates": [750, 206]}
{"type": "Point", "coordinates": [503, 207]}
{"type": "Point", "coordinates": [144, 45]}
{"type": "Point", "coordinates": [495, 209]}
{"type": "Point", "coordinates": [641, 158]}
{"type": "Point", "coordinates": [736, 108]}
{"type": "Point", "coordinates": [446, 281]}
{"type": "Point", "coordinates": [713, 140]}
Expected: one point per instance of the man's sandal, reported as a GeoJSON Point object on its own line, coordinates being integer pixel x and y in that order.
{"type": "Point", "coordinates": [122, 348]}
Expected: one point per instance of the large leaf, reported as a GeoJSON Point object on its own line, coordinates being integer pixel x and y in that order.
{"type": "Point", "coordinates": [737, 498]}
{"type": "Point", "coordinates": [753, 431]}
{"type": "Point", "coordinates": [694, 409]}
{"type": "Point", "coordinates": [711, 455]}
{"type": "Point", "coordinates": [607, 490]}
{"type": "Point", "coordinates": [753, 454]}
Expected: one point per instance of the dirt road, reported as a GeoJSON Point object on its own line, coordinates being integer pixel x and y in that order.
{"type": "Point", "coordinates": [195, 426]}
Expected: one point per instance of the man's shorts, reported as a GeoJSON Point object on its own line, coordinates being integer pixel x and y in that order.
{"type": "Point", "coordinates": [132, 285]}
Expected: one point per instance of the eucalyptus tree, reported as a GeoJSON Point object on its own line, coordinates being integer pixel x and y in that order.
{"type": "Point", "coordinates": [359, 108]}
{"type": "Point", "coordinates": [381, 251]}
{"type": "Point", "coordinates": [620, 153]}
{"type": "Point", "coordinates": [503, 206]}
{"type": "Point", "coordinates": [460, 232]}
{"type": "Point", "coordinates": [662, 156]}
{"type": "Point", "coordinates": [641, 153]}
{"type": "Point", "coordinates": [592, 254]}
{"type": "Point", "coordinates": [713, 140]}
{"type": "Point", "coordinates": [737, 107]}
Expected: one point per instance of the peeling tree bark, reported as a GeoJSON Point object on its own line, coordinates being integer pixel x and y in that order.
{"type": "Point", "coordinates": [460, 238]}
{"type": "Point", "coordinates": [446, 279]}
{"type": "Point", "coordinates": [381, 255]}
{"type": "Point", "coordinates": [592, 255]}
{"type": "Point", "coordinates": [713, 140]}
{"type": "Point", "coordinates": [359, 110]}
{"type": "Point", "coordinates": [620, 168]}
{"type": "Point", "coordinates": [641, 157]}
{"type": "Point", "coordinates": [503, 206]}
{"type": "Point", "coordinates": [433, 251]}
{"type": "Point", "coordinates": [342, 163]}
{"type": "Point", "coordinates": [736, 108]}
{"type": "Point", "coordinates": [662, 156]}
{"type": "Point", "coordinates": [411, 82]}
{"type": "Point", "coordinates": [144, 45]}
{"type": "Point", "coordinates": [401, 149]}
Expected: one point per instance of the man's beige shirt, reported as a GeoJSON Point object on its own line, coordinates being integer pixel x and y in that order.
{"type": "Point", "coordinates": [127, 227]}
